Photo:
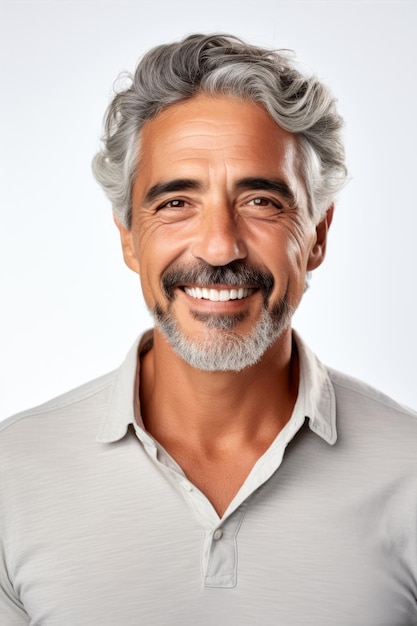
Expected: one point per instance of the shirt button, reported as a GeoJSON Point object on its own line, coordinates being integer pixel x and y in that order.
{"type": "Point", "coordinates": [218, 534]}
{"type": "Point", "coordinates": [187, 486]}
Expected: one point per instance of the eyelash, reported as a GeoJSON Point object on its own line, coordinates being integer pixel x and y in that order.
{"type": "Point", "coordinates": [274, 203]}
{"type": "Point", "coordinates": [181, 203]}
{"type": "Point", "coordinates": [164, 205]}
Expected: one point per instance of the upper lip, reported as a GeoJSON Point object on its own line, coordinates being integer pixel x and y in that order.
{"type": "Point", "coordinates": [216, 286]}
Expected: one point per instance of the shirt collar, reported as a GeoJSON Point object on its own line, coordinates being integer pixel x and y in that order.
{"type": "Point", "coordinates": [121, 412]}
{"type": "Point", "coordinates": [315, 391]}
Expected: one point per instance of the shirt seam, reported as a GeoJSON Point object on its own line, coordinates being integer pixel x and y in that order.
{"type": "Point", "coordinates": [44, 409]}
{"type": "Point", "coordinates": [390, 404]}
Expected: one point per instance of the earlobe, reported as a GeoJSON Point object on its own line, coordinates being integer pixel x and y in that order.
{"type": "Point", "coordinates": [318, 251]}
{"type": "Point", "coordinates": [129, 252]}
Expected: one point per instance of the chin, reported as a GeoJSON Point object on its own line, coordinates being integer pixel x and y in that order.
{"type": "Point", "coordinates": [224, 348]}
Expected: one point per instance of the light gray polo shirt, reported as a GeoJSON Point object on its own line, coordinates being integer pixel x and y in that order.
{"type": "Point", "coordinates": [100, 527]}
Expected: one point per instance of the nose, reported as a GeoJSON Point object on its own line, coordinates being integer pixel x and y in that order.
{"type": "Point", "coordinates": [218, 240]}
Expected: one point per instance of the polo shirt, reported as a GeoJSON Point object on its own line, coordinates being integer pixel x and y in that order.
{"type": "Point", "coordinates": [99, 525]}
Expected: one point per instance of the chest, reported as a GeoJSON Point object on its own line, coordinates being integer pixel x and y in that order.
{"type": "Point", "coordinates": [220, 478]}
{"type": "Point", "coordinates": [144, 558]}
{"type": "Point", "coordinates": [324, 544]}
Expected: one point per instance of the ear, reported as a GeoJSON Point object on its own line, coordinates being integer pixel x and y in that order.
{"type": "Point", "coordinates": [129, 251]}
{"type": "Point", "coordinates": [318, 251]}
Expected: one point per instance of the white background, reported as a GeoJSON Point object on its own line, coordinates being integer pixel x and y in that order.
{"type": "Point", "coordinates": [69, 307]}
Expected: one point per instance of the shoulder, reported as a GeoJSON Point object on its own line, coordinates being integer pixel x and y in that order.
{"type": "Point", "coordinates": [84, 407]}
{"type": "Point", "coordinates": [362, 394]}
{"type": "Point", "coordinates": [360, 408]}
{"type": "Point", "coordinates": [86, 400]}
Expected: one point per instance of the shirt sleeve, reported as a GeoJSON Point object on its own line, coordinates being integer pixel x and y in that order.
{"type": "Point", "coordinates": [12, 612]}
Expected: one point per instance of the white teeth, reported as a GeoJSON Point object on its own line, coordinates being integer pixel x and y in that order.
{"type": "Point", "coordinates": [224, 295]}
{"type": "Point", "coordinates": [218, 295]}
{"type": "Point", "coordinates": [214, 295]}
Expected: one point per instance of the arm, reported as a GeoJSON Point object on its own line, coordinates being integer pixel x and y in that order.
{"type": "Point", "coordinates": [12, 612]}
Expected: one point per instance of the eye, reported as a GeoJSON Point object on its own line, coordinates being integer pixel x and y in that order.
{"type": "Point", "coordinates": [176, 203]}
{"type": "Point", "coordinates": [265, 202]}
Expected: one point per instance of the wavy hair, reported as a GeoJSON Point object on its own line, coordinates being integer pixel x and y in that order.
{"type": "Point", "coordinates": [223, 65]}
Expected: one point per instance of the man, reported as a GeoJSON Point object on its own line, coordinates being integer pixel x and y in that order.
{"type": "Point", "coordinates": [222, 475]}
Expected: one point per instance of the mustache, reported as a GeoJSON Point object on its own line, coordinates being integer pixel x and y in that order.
{"type": "Point", "coordinates": [201, 274]}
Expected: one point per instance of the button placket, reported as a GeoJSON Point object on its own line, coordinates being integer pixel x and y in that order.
{"type": "Point", "coordinates": [220, 552]}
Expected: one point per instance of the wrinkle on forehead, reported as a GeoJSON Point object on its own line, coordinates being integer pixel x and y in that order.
{"type": "Point", "coordinates": [215, 119]}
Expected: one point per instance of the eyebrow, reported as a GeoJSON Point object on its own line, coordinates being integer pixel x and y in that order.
{"type": "Point", "coordinates": [178, 184]}
{"type": "Point", "coordinates": [276, 185]}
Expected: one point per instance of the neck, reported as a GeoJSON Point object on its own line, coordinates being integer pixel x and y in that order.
{"type": "Point", "coordinates": [213, 409]}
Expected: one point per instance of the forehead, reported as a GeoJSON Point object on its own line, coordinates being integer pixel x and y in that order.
{"type": "Point", "coordinates": [205, 131]}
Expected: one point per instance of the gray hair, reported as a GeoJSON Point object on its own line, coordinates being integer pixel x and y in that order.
{"type": "Point", "coordinates": [223, 65]}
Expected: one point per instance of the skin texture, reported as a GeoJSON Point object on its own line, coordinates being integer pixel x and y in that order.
{"type": "Point", "coordinates": [217, 424]}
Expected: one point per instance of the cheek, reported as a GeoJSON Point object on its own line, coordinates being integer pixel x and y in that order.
{"type": "Point", "coordinates": [287, 259]}
{"type": "Point", "coordinates": [156, 250]}
{"type": "Point", "coordinates": [286, 251]}
{"type": "Point", "coordinates": [300, 244]}
{"type": "Point", "coordinates": [161, 240]}
{"type": "Point", "coordinates": [297, 255]}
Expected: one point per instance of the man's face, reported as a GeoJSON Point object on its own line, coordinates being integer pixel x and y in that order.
{"type": "Point", "coordinates": [221, 235]}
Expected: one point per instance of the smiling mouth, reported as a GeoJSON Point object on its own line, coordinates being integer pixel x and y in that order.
{"type": "Point", "coordinates": [218, 295]}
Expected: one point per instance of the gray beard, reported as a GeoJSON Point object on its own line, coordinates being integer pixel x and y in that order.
{"type": "Point", "coordinates": [224, 349]}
